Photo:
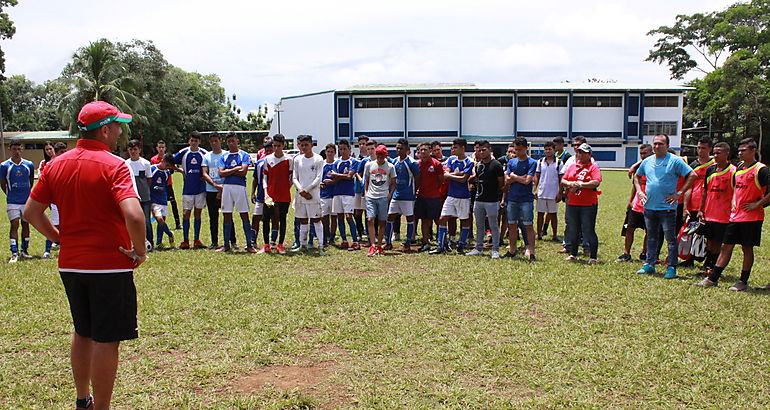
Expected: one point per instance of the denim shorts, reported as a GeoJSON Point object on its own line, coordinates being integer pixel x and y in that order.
{"type": "Point", "coordinates": [377, 208]}
{"type": "Point", "coordinates": [521, 212]}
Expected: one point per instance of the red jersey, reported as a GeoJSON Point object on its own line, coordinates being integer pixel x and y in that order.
{"type": "Point", "coordinates": [637, 205]}
{"type": "Point", "coordinates": [278, 172]}
{"type": "Point", "coordinates": [583, 173]}
{"type": "Point", "coordinates": [697, 188]}
{"type": "Point", "coordinates": [719, 194]}
{"type": "Point", "coordinates": [157, 159]}
{"type": "Point", "coordinates": [748, 187]}
{"type": "Point", "coordinates": [87, 184]}
{"type": "Point", "coordinates": [430, 178]}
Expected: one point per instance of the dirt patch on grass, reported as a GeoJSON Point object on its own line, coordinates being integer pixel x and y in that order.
{"type": "Point", "coordinates": [536, 318]}
{"type": "Point", "coordinates": [307, 334]}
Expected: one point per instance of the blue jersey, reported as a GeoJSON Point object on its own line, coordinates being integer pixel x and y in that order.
{"type": "Point", "coordinates": [359, 184]}
{"type": "Point", "coordinates": [259, 176]}
{"type": "Point", "coordinates": [459, 189]}
{"type": "Point", "coordinates": [192, 165]}
{"type": "Point", "coordinates": [345, 186]}
{"type": "Point", "coordinates": [327, 191]}
{"type": "Point", "coordinates": [519, 192]}
{"type": "Point", "coordinates": [158, 188]}
{"type": "Point", "coordinates": [406, 171]}
{"type": "Point", "coordinates": [234, 160]}
{"type": "Point", "coordinates": [17, 176]}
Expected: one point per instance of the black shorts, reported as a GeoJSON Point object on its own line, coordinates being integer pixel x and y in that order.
{"type": "Point", "coordinates": [103, 305]}
{"type": "Point", "coordinates": [715, 231]}
{"type": "Point", "coordinates": [636, 220]}
{"type": "Point", "coordinates": [743, 233]}
{"type": "Point", "coordinates": [427, 208]}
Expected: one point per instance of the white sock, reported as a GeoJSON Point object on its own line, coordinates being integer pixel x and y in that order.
{"type": "Point", "coordinates": [304, 230]}
{"type": "Point", "coordinates": [319, 233]}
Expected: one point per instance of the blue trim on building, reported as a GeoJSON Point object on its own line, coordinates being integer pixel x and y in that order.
{"type": "Point", "coordinates": [460, 114]}
{"type": "Point", "coordinates": [350, 120]}
{"type": "Point", "coordinates": [380, 134]}
{"type": "Point", "coordinates": [625, 117]}
{"type": "Point", "coordinates": [641, 116]}
{"type": "Point", "coordinates": [406, 116]}
{"type": "Point", "coordinates": [570, 110]}
{"type": "Point", "coordinates": [604, 155]}
{"type": "Point", "coordinates": [336, 119]}
{"type": "Point", "coordinates": [515, 115]}
{"type": "Point", "coordinates": [428, 134]}
{"type": "Point", "coordinates": [540, 134]}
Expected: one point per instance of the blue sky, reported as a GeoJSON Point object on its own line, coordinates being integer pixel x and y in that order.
{"type": "Point", "coordinates": [265, 50]}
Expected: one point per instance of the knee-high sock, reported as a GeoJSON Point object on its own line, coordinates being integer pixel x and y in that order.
{"type": "Point", "coordinates": [327, 230]}
{"type": "Point", "coordinates": [312, 235]}
{"type": "Point", "coordinates": [388, 232]}
{"type": "Point", "coordinates": [227, 227]}
{"type": "Point", "coordinates": [359, 218]}
{"type": "Point", "coordinates": [14, 246]}
{"type": "Point", "coordinates": [159, 235]}
{"type": "Point", "coordinates": [273, 237]}
{"type": "Point", "coordinates": [303, 234]}
{"type": "Point", "coordinates": [319, 229]}
{"type": "Point", "coordinates": [167, 230]}
{"type": "Point", "coordinates": [48, 245]}
{"type": "Point", "coordinates": [441, 236]}
{"type": "Point", "coordinates": [197, 229]}
{"type": "Point", "coordinates": [247, 232]}
{"type": "Point", "coordinates": [25, 244]}
{"type": "Point", "coordinates": [296, 231]}
{"type": "Point", "coordinates": [409, 232]}
{"type": "Point", "coordinates": [464, 231]}
{"type": "Point", "coordinates": [254, 237]}
{"type": "Point", "coordinates": [186, 230]}
{"type": "Point", "coordinates": [341, 227]}
{"type": "Point", "coordinates": [353, 230]}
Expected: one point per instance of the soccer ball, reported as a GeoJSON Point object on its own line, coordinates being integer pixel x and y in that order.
{"type": "Point", "coordinates": [148, 245]}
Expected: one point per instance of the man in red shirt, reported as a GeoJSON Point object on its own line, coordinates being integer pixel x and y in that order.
{"type": "Point", "coordinates": [102, 236]}
{"type": "Point", "coordinates": [278, 174]}
{"type": "Point", "coordinates": [427, 207]}
{"type": "Point", "coordinates": [581, 180]}
{"type": "Point", "coordinates": [160, 146]}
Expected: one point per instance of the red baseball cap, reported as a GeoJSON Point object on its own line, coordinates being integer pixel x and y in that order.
{"type": "Point", "coordinates": [381, 149]}
{"type": "Point", "coordinates": [99, 113]}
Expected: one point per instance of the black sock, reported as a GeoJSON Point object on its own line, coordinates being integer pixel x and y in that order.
{"type": "Point", "coordinates": [716, 273]}
{"type": "Point", "coordinates": [745, 276]}
{"type": "Point", "coordinates": [84, 402]}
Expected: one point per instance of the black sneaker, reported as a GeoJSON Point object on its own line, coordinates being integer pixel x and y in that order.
{"type": "Point", "coordinates": [85, 404]}
{"type": "Point", "coordinates": [643, 256]}
{"type": "Point", "coordinates": [437, 251]}
{"type": "Point", "coordinates": [623, 258]}
{"type": "Point", "coordinates": [508, 255]}
{"type": "Point", "coordinates": [448, 247]}
{"type": "Point", "coordinates": [424, 248]}
{"type": "Point", "coordinates": [213, 247]}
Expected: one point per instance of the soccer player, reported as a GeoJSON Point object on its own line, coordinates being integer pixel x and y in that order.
{"type": "Point", "coordinates": [194, 191]}
{"type": "Point", "coordinates": [214, 189]}
{"type": "Point", "coordinates": [692, 198]}
{"type": "Point", "coordinates": [750, 195]}
{"type": "Point", "coordinates": [379, 184]}
{"type": "Point", "coordinates": [490, 180]}
{"type": "Point", "coordinates": [327, 193]}
{"type": "Point", "coordinates": [342, 208]}
{"type": "Point", "coordinates": [458, 169]}
{"type": "Point", "coordinates": [407, 179]}
{"type": "Point", "coordinates": [233, 167]}
{"type": "Point", "coordinates": [635, 214]}
{"type": "Point", "coordinates": [359, 204]}
{"type": "Point", "coordinates": [159, 198]}
{"type": "Point", "coordinates": [660, 198]}
{"type": "Point", "coordinates": [520, 172]}
{"type": "Point", "coordinates": [427, 207]}
{"type": "Point", "coordinates": [17, 175]}
{"type": "Point", "coordinates": [547, 177]}
{"type": "Point", "coordinates": [308, 171]}
{"type": "Point", "coordinates": [142, 171]}
{"type": "Point", "coordinates": [263, 205]}
{"type": "Point", "coordinates": [371, 146]}
{"type": "Point", "coordinates": [160, 146]}
{"type": "Point", "coordinates": [278, 171]}
{"type": "Point", "coordinates": [716, 202]}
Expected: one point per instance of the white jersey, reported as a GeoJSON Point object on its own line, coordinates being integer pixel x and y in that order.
{"type": "Point", "coordinates": [307, 176]}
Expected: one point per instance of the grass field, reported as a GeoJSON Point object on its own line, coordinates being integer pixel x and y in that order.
{"type": "Point", "coordinates": [415, 331]}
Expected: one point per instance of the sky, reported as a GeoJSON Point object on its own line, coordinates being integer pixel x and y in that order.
{"type": "Point", "coordinates": [263, 51]}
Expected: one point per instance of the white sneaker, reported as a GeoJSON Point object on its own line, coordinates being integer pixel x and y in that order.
{"type": "Point", "coordinates": [46, 255]}
{"type": "Point", "coordinates": [14, 258]}
{"type": "Point", "coordinates": [495, 255]}
{"type": "Point", "coordinates": [474, 252]}
{"type": "Point", "coordinates": [593, 261]}
{"type": "Point", "coordinates": [26, 255]}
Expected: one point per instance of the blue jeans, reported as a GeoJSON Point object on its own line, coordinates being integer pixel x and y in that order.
{"type": "Point", "coordinates": [582, 219]}
{"type": "Point", "coordinates": [522, 213]}
{"type": "Point", "coordinates": [377, 208]}
{"type": "Point", "coordinates": [655, 220]}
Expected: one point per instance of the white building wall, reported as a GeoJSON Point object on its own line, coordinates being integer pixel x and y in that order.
{"type": "Point", "coordinates": [552, 119]}
{"type": "Point", "coordinates": [378, 119]}
{"type": "Point", "coordinates": [586, 119]}
{"type": "Point", "coordinates": [311, 114]}
{"type": "Point", "coordinates": [433, 119]}
{"type": "Point", "coordinates": [488, 121]}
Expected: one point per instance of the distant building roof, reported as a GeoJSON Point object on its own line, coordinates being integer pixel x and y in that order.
{"type": "Point", "coordinates": [524, 87]}
{"type": "Point", "coordinates": [40, 135]}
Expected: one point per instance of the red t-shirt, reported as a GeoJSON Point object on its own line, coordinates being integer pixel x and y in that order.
{"type": "Point", "coordinates": [583, 173]}
{"type": "Point", "coordinates": [430, 174]}
{"type": "Point", "coordinates": [87, 184]}
{"type": "Point", "coordinates": [278, 172]}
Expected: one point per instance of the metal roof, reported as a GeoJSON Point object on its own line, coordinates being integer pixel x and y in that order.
{"type": "Point", "coordinates": [42, 135]}
{"type": "Point", "coordinates": [523, 87]}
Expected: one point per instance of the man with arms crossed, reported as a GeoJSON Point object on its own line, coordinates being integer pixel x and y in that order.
{"type": "Point", "coordinates": [458, 202]}
{"type": "Point", "coordinates": [308, 171]}
{"type": "Point", "coordinates": [16, 178]}
{"type": "Point", "coordinates": [520, 173]}
{"type": "Point", "coordinates": [102, 232]}
{"type": "Point", "coordinates": [233, 167]}
{"type": "Point", "coordinates": [489, 181]}
{"type": "Point", "coordinates": [427, 207]}
{"type": "Point", "coordinates": [278, 170]}
{"type": "Point", "coordinates": [407, 179]}
{"type": "Point", "coordinates": [194, 191]}
{"type": "Point", "coordinates": [214, 188]}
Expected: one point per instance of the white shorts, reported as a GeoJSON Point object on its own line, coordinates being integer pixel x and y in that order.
{"type": "Point", "coordinates": [307, 210]}
{"type": "Point", "coordinates": [160, 211]}
{"type": "Point", "coordinates": [193, 201]}
{"type": "Point", "coordinates": [54, 214]}
{"type": "Point", "coordinates": [359, 202]}
{"type": "Point", "coordinates": [234, 195]}
{"type": "Point", "coordinates": [343, 204]}
{"type": "Point", "coordinates": [456, 207]}
{"type": "Point", "coordinates": [326, 206]}
{"type": "Point", "coordinates": [15, 211]}
{"type": "Point", "coordinates": [549, 206]}
{"type": "Point", "coordinates": [405, 208]}
{"type": "Point", "coordinates": [259, 209]}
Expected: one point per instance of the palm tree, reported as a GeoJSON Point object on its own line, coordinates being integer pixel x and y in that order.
{"type": "Point", "coordinates": [97, 74]}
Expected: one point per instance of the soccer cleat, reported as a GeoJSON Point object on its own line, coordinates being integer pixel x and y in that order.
{"type": "Point", "coordinates": [448, 247]}
{"type": "Point", "coordinates": [643, 256]}
{"type": "Point", "coordinates": [46, 255]}
{"type": "Point", "coordinates": [532, 257]}
{"type": "Point", "coordinates": [495, 255]}
{"type": "Point", "coordinates": [213, 247]}
{"type": "Point", "coordinates": [387, 247]}
{"type": "Point", "coordinates": [344, 245]}
{"type": "Point", "coordinates": [223, 249]}
{"type": "Point", "coordinates": [199, 245]}
{"type": "Point", "coordinates": [739, 286]}
{"type": "Point", "coordinates": [406, 248]}
{"type": "Point", "coordinates": [564, 250]}
{"type": "Point", "coordinates": [764, 287]}
{"type": "Point", "coordinates": [302, 248]}
{"type": "Point", "coordinates": [265, 248]}
{"type": "Point", "coordinates": [295, 246]}
{"type": "Point", "coordinates": [281, 250]}
{"type": "Point", "coordinates": [474, 252]}
{"type": "Point", "coordinates": [250, 249]}
{"type": "Point", "coordinates": [185, 245]}
{"type": "Point", "coordinates": [670, 273]}
{"type": "Point", "coordinates": [706, 283]}
{"type": "Point", "coordinates": [171, 243]}
{"type": "Point", "coordinates": [354, 246]}
{"type": "Point", "coordinates": [25, 254]}
{"type": "Point", "coordinates": [646, 269]}
{"type": "Point", "coordinates": [623, 258]}
{"type": "Point", "coordinates": [437, 251]}
{"type": "Point", "coordinates": [593, 261]}
{"type": "Point", "coordinates": [14, 258]}
{"type": "Point", "coordinates": [380, 251]}
{"type": "Point", "coordinates": [571, 258]}
{"type": "Point", "coordinates": [372, 251]}
{"type": "Point", "coordinates": [424, 248]}
{"type": "Point", "coordinates": [509, 254]}
{"type": "Point", "coordinates": [85, 404]}
{"type": "Point", "coordinates": [235, 246]}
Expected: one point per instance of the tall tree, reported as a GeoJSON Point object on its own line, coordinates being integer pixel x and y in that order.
{"type": "Point", "coordinates": [7, 29]}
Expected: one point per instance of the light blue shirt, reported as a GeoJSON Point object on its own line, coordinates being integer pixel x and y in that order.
{"type": "Point", "coordinates": [662, 177]}
{"type": "Point", "coordinates": [211, 160]}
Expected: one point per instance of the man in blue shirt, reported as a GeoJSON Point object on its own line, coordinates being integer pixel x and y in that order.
{"type": "Point", "coordinates": [194, 192]}
{"type": "Point", "coordinates": [16, 178]}
{"type": "Point", "coordinates": [458, 169]}
{"type": "Point", "coordinates": [520, 172]}
{"type": "Point", "coordinates": [344, 194]}
{"type": "Point", "coordinates": [327, 193]}
{"type": "Point", "coordinates": [407, 180]}
{"type": "Point", "coordinates": [210, 172]}
{"type": "Point", "coordinates": [660, 198]}
{"type": "Point", "coordinates": [233, 167]}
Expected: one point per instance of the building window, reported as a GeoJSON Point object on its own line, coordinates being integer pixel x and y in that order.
{"type": "Point", "coordinates": [487, 101]}
{"type": "Point", "coordinates": [344, 130]}
{"type": "Point", "coordinates": [660, 101]}
{"type": "Point", "coordinates": [596, 102]}
{"type": "Point", "coordinates": [432, 102]}
{"type": "Point", "coordinates": [343, 107]}
{"type": "Point", "coordinates": [382, 102]}
{"type": "Point", "coordinates": [34, 145]}
{"type": "Point", "coordinates": [542, 101]}
{"type": "Point", "coordinates": [660, 127]}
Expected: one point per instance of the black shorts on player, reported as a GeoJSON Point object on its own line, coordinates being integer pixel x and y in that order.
{"type": "Point", "coordinates": [715, 231]}
{"type": "Point", "coordinates": [103, 305]}
{"type": "Point", "coordinates": [636, 220]}
{"type": "Point", "coordinates": [427, 208]}
{"type": "Point", "coordinates": [743, 233]}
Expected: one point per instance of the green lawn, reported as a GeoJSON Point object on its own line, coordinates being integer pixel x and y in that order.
{"type": "Point", "coordinates": [416, 331]}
